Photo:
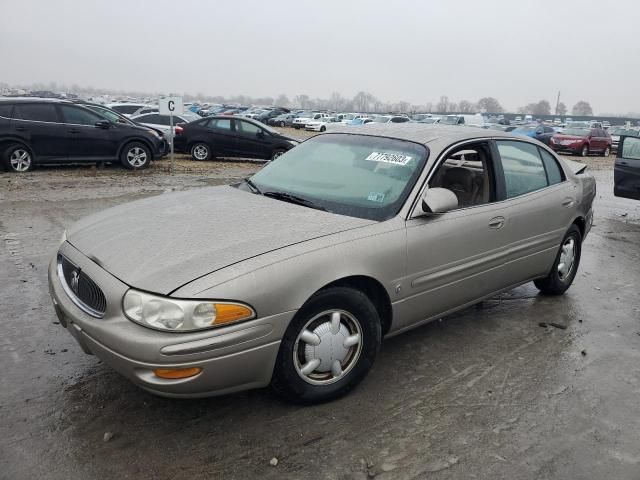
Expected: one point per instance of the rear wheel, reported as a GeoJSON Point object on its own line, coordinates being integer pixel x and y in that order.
{"type": "Point", "coordinates": [200, 151]}
{"type": "Point", "coordinates": [585, 150]}
{"type": "Point", "coordinates": [329, 346]}
{"type": "Point", "coordinates": [323, 128]}
{"type": "Point", "coordinates": [17, 158]}
{"type": "Point", "coordinates": [566, 265]}
{"type": "Point", "coordinates": [135, 156]}
{"type": "Point", "coordinates": [277, 153]}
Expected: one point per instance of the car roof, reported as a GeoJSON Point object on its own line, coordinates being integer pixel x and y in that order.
{"type": "Point", "coordinates": [34, 99]}
{"type": "Point", "coordinates": [429, 133]}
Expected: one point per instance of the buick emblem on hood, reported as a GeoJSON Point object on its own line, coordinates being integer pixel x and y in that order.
{"type": "Point", "coordinates": [74, 280]}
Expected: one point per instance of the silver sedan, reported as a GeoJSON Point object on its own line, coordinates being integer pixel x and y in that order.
{"type": "Point", "coordinates": [293, 277]}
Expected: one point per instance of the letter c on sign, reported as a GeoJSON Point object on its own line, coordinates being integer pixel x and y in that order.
{"type": "Point", "coordinates": [171, 105]}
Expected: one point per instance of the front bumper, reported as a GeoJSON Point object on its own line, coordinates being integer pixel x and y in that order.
{"type": "Point", "coordinates": [573, 148]}
{"type": "Point", "coordinates": [233, 358]}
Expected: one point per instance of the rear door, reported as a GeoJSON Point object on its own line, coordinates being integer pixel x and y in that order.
{"type": "Point", "coordinates": [40, 126]}
{"type": "Point", "coordinates": [626, 173]}
{"type": "Point", "coordinates": [87, 141]}
{"type": "Point", "coordinates": [221, 136]}
{"type": "Point", "coordinates": [541, 205]}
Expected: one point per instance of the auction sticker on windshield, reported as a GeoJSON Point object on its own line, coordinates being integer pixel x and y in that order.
{"type": "Point", "coordinates": [394, 158]}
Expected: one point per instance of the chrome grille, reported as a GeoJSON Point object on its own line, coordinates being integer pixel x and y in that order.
{"type": "Point", "coordinates": [81, 289]}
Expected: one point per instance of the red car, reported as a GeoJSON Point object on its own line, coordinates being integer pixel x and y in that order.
{"type": "Point", "coordinates": [582, 141]}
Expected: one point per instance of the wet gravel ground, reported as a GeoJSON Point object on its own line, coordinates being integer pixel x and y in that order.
{"type": "Point", "coordinates": [486, 393]}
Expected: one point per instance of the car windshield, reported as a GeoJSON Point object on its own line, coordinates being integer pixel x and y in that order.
{"type": "Point", "coordinates": [453, 120]}
{"type": "Point", "coordinates": [624, 131]}
{"type": "Point", "coordinates": [109, 114]}
{"type": "Point", "coordinates": [578, 132]}
{"type": "Point", "coordinates": [381, 119]}
{"type": "Point", "coordinates": [356, 175]}
{"type": "Point", "coordinates": [190, 116]}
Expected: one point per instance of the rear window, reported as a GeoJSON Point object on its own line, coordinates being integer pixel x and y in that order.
{"type": "Point", "coordinates": [36, 112]}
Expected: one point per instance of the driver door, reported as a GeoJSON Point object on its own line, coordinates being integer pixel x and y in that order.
{"type": "Point", "coordinates": [457, 257]}
{"type": "Point", "coordinates": [252, 141]}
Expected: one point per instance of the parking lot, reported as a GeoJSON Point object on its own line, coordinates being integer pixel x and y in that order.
{"type": "Point", "coordinates": [486, 393]}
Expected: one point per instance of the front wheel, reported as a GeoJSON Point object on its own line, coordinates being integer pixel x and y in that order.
{"type": "Point", "coordinates": [323, 128]}
{"type": "Point", "coordinates": [566, 265]}
{"type": "Point", "coordinates": [328, 348]}
{"type": "Point", "coordinates": [282, 124]}
{"type": "Point", "coordinates": [607, 151]}
{"type": "Point", "coordinates": [135, 156]}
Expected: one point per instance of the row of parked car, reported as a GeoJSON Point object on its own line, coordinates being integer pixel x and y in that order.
{"type": "Point", "coordinates": [36, 130]}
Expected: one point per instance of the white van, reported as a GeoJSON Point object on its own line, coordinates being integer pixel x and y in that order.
{"type": "Point", "coordinates": [528, 118]}
{"type": "Point", "coordinates": [475, 120]}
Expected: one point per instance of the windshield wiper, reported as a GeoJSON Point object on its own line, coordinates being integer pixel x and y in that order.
{"type": "Point", "coordinates": [252, 185]}
{"type": "Point", "coordinates": [287, 197]}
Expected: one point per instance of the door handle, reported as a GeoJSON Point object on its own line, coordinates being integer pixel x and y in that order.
{"type": "Point", "coordinates": [74, 130]}
{"type": "Point", "coordinates": [567, 202]}
{"type": "Point", "coordinates": [20, 129]}
{"type": "Point", "coordinates": [496, 222]}
{"type": "Point", "coordinates": [622, 163]}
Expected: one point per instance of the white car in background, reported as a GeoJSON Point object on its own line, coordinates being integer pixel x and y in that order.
{"type": "Point", "coordinates": [391, 119]}
{"type": "Point", "coordinates": [347, 118]}
{"type": "Point", "coordinates": [161, 122]}
{"type": "Point", "coordinates": [321, 124]}
{"type": "Point", "coordinates": [132, 109]}
{"type": "Point", "coordinates": [306, 117]}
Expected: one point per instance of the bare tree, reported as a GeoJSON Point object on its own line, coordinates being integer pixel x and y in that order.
{"type": "Point", "coordinates": [562, 109]}
{"type": "Point", "coordinates": [301, 101]}
{"type": "Point", "coordinates": [490, 105]}
{"type": "Point", "coordinates": [336, 101]}
{"type": "Point", "coordinates": [582, 108]}
{"type": "Point", "coordinates": [282, 101]}
{"type": "Point", "coordinates": [466, 106]}
{"type": "Point", "coordinates": [443, 104]}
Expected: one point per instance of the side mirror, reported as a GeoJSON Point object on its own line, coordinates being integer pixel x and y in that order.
{"type": "Point", "coordinates": [103, 124]}
{"type": "Point", "coordinates": [436, 201]}
{"type": "Point", "coordinates": [260, 133]}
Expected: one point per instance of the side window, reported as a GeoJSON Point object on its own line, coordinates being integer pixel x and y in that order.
{"type": "Point", "coordinates": [522, 166]}
{"type": "Point", "coordinates": [5, 110]}
{"type": "Point", "coordinates": [221, 124]}
{"type": "Point", "coordinates": [78, 116]}
{"type": "Point", "coordinates": [154, 118]}
{"type": "Point", "coordinates": [467, 172]}
{"type": "Point", "coordinates": [554, 173]}
{"type": "Point", "coordinates": [36, 112]}
{"type": "Point", "coordinates": [247, 128]}
{"type": "Point", "coordinates": [631, 148]}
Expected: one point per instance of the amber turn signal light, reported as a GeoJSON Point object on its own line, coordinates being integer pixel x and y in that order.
{"type": "Point", "coordinates": [231, 312]}
{"type": "Point", "coordinates": [174, 373]}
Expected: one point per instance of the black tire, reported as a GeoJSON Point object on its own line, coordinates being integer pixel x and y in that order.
{"type": "Point", "coordinates": [585, 150]}
{"type": "Point", "coordinates": [135, 156]}
{"type": "Point", "coordinates": [607, 151]}
{"type": "Point", "coordinates": [200, 151]}
{"type": "Point", "coordinates": [277, 152]}
{"type": "Point", "coordinates": [17, 158]}
{"type": "Point", "coordinates": [555, 283]}
{"type": "Point", "coordinates": [288, 382]}
{"type": "Point", "coordinates": [282, 124]}
{"type": "Point", "coordinates": [323, 128]}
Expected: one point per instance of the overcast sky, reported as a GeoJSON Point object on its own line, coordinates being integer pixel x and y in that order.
{"type": "Point", "coordinates": [517, 51]}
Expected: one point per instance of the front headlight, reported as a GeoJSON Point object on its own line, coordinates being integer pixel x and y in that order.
{"type": "Point", "coordinates": [175, 315]}
{"type": "Point", "coordinates": [154, 133]}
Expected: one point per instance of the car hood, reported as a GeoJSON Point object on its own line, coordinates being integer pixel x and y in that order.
{"type": "Point", "coordinates": [159, 244]}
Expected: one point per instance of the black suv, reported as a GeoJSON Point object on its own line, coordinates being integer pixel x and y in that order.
{"type": "Point", "coordinates": [227, 136]}
{"type": "Point", "coordinates": [35, 131]}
